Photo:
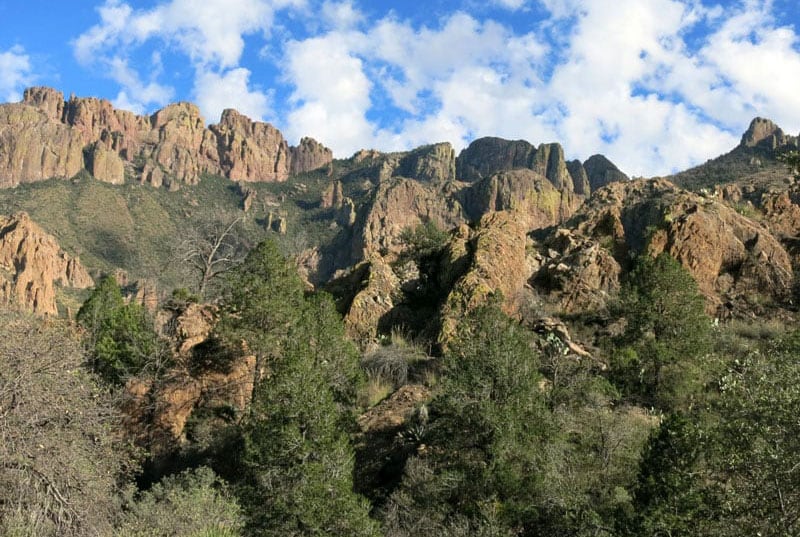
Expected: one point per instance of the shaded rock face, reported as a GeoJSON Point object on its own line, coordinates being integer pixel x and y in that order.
{"type": "Point", "coordinates": [332, 196]}
{"type": "Point", "coordinates": [486, 156]}
{"type": "Point", "coordinates": [159, 413]}
{"type": "Point", "coordinates": [729, 255]}
{"type": "Point", "coordinates": [535, 200]}
{"type": "Point", "coordinates": [431, 163]}
{"type": "Point", "coordinates": [601, 172]}
{"type": "Point", "coordinates": [490, 155]}
{"type": "Point", "coordinates": [763, 133]}
{"type": "Point", "coordinates": [580, 179]}
{"type": "Point", "coordinates": [44, 137]}
{"type": "Point", "coordinates": [32, 263]}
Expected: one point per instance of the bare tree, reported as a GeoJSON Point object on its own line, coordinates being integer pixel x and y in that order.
{"type": "Point", "coordinates": [212, 252]}
{"type": "Point", "coordinates": [61, 453]}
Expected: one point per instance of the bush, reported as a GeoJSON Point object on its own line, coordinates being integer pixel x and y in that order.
{"type": "Point", "coordinates": [666, 337]}
{"type": "Point", "coordinates": [121, 336]}
{"type": "Point", "coordinates": [194, 503]}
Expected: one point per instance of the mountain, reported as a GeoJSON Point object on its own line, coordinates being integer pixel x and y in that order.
{"type": "Point", "coordinates": [493, 327]}
{"type": "Point", "coordinates": [753, 161]}
{"type": "Point", "coordinates": [44, 136]}
{"type": "Point", "coordinates": [524, 220]}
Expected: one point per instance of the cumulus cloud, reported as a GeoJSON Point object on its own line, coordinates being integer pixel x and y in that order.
{"type": "Point", "coordinates": [209, 32]}
{"type": "Point", "coordinates": [332, 93]}
{"type": "Point", "coordinates": [654, 84]}
{"type": "Point", "coordinates": [15, 73]}
{"type": "Point", "coordinates": [215, 92]}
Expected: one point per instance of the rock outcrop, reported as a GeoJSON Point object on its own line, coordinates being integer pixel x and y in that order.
{"type": "Point", "coordinates": [33, 147]}
{"type": "Point", "coordinates": [601, 172]}
{"type": "Point", "coordinates": [378, 294]}
{"type": "Point", "coordinates": [308, 156]}
{"type": "Point", "coordinates": [251, 150]}
{"type": "Point", "coordinates": [487, 156]}
{"type": "Point", "coordinates": [431, 163]}
{"type": "Point", "coordinates": [44, 136]}
{"type": "Point", "coordinates": [32, 263]}
{"type": "Point", "coordinates": [495, 261]}
{"type": "Point", "coordinates": [535, 200]}
{"type": "Point", "coordinates": [729, 255]}
{"type": "Point", "coordinates": [396, 205]}
{"type": "Point", "coordinates": [765, 134]}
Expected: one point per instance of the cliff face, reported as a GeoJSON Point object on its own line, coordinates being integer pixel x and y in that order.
{"type": "Point", "coordinates": [44, 136]}
{"type": "Point", "coordinates": [32, 263]}
{"type": "Point", "coordinates": [487, 156]}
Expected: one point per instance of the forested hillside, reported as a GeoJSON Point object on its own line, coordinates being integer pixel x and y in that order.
{"type": "Point", "coordinates": [495, 343]}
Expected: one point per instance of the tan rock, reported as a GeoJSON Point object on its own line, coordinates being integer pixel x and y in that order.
{"type": "Point", "coordinates": [728, 254]}
{"type": "Point", "coordinates": [396, 410]}
{"type": "Point", "coordinates": [105, 165]}
{"type": "Point", "coordinates": [332, 196]}
{"type": "Point", "coordinates": [33, 147]}
{"type": "Point", "coordinates": [529, 194]}
{"type": "Point", "coordinates": [181, 144]}
{"type": "Point", "coordinates": [497, 264]}
{"type": "Point", "coordinates": [48, 100]}
{"type": "Point", "coordinates": [378, 295]}
{"type": "Point", "coordinates": [251, 150]}
{"type": "Point", "coordinates": [35, 263]}
{"type": "Point", "coordinates": [396, 205]}
{"type": "Point", "coordinates": [310, 155]}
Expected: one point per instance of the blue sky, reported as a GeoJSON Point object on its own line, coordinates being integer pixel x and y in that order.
{"type": "Point", "coordinates": [656, 85]}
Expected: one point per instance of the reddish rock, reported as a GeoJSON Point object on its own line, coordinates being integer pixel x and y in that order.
{"type": "Point", "coordinates": [32, 263]}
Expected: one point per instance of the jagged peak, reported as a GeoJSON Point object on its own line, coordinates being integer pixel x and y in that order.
{"type": "Point", "coordinates": [762, 130]}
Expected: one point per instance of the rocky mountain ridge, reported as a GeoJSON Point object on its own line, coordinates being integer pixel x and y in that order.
{"type": "Point", "coordinates": [45, 136]}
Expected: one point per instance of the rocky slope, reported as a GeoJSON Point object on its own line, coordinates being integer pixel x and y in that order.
{"type": "Point", "coordinates": [733, 258]}
{"type": "Point", "coordinates": [32, 264]}
{"type": "Point", "coordinates": [43, 136]}
{"type": "Point", "coordinates": [751, 164]}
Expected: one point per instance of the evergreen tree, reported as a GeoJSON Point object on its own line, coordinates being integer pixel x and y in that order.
{"type": "Point", "coordinates": [479, 469]}
{"type": "Point", "coordinates": [297, 459]}
{"type": "Point", "coordinates": [667, 333]}
{"type": "Point", "coordinates": [122, 339]}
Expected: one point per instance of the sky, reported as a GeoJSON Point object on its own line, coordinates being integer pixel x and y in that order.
{"type": "Point", "coordinates": [655, 85]}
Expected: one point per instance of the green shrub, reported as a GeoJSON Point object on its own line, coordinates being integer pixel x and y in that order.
{"type": "Point", "coordinates": [195, 503]}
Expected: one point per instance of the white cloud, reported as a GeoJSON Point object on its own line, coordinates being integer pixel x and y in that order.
{"type": "Point", "coordinates": [761, 65]}
{"type": "Point", "coordinates": [341, 15]}
{"type": "Point", "coordinates": [215, 92]}
{"type": "Point", "coordinates": [136, 94]}
{"type": "Point", "coordinates": [209, 32]}
{"type": "Point", "coordinates": [15, 73]}
{"type": "Point", "coordinates": [625, 81]}
{"type": "Point", "coordinates": [332, 93]}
